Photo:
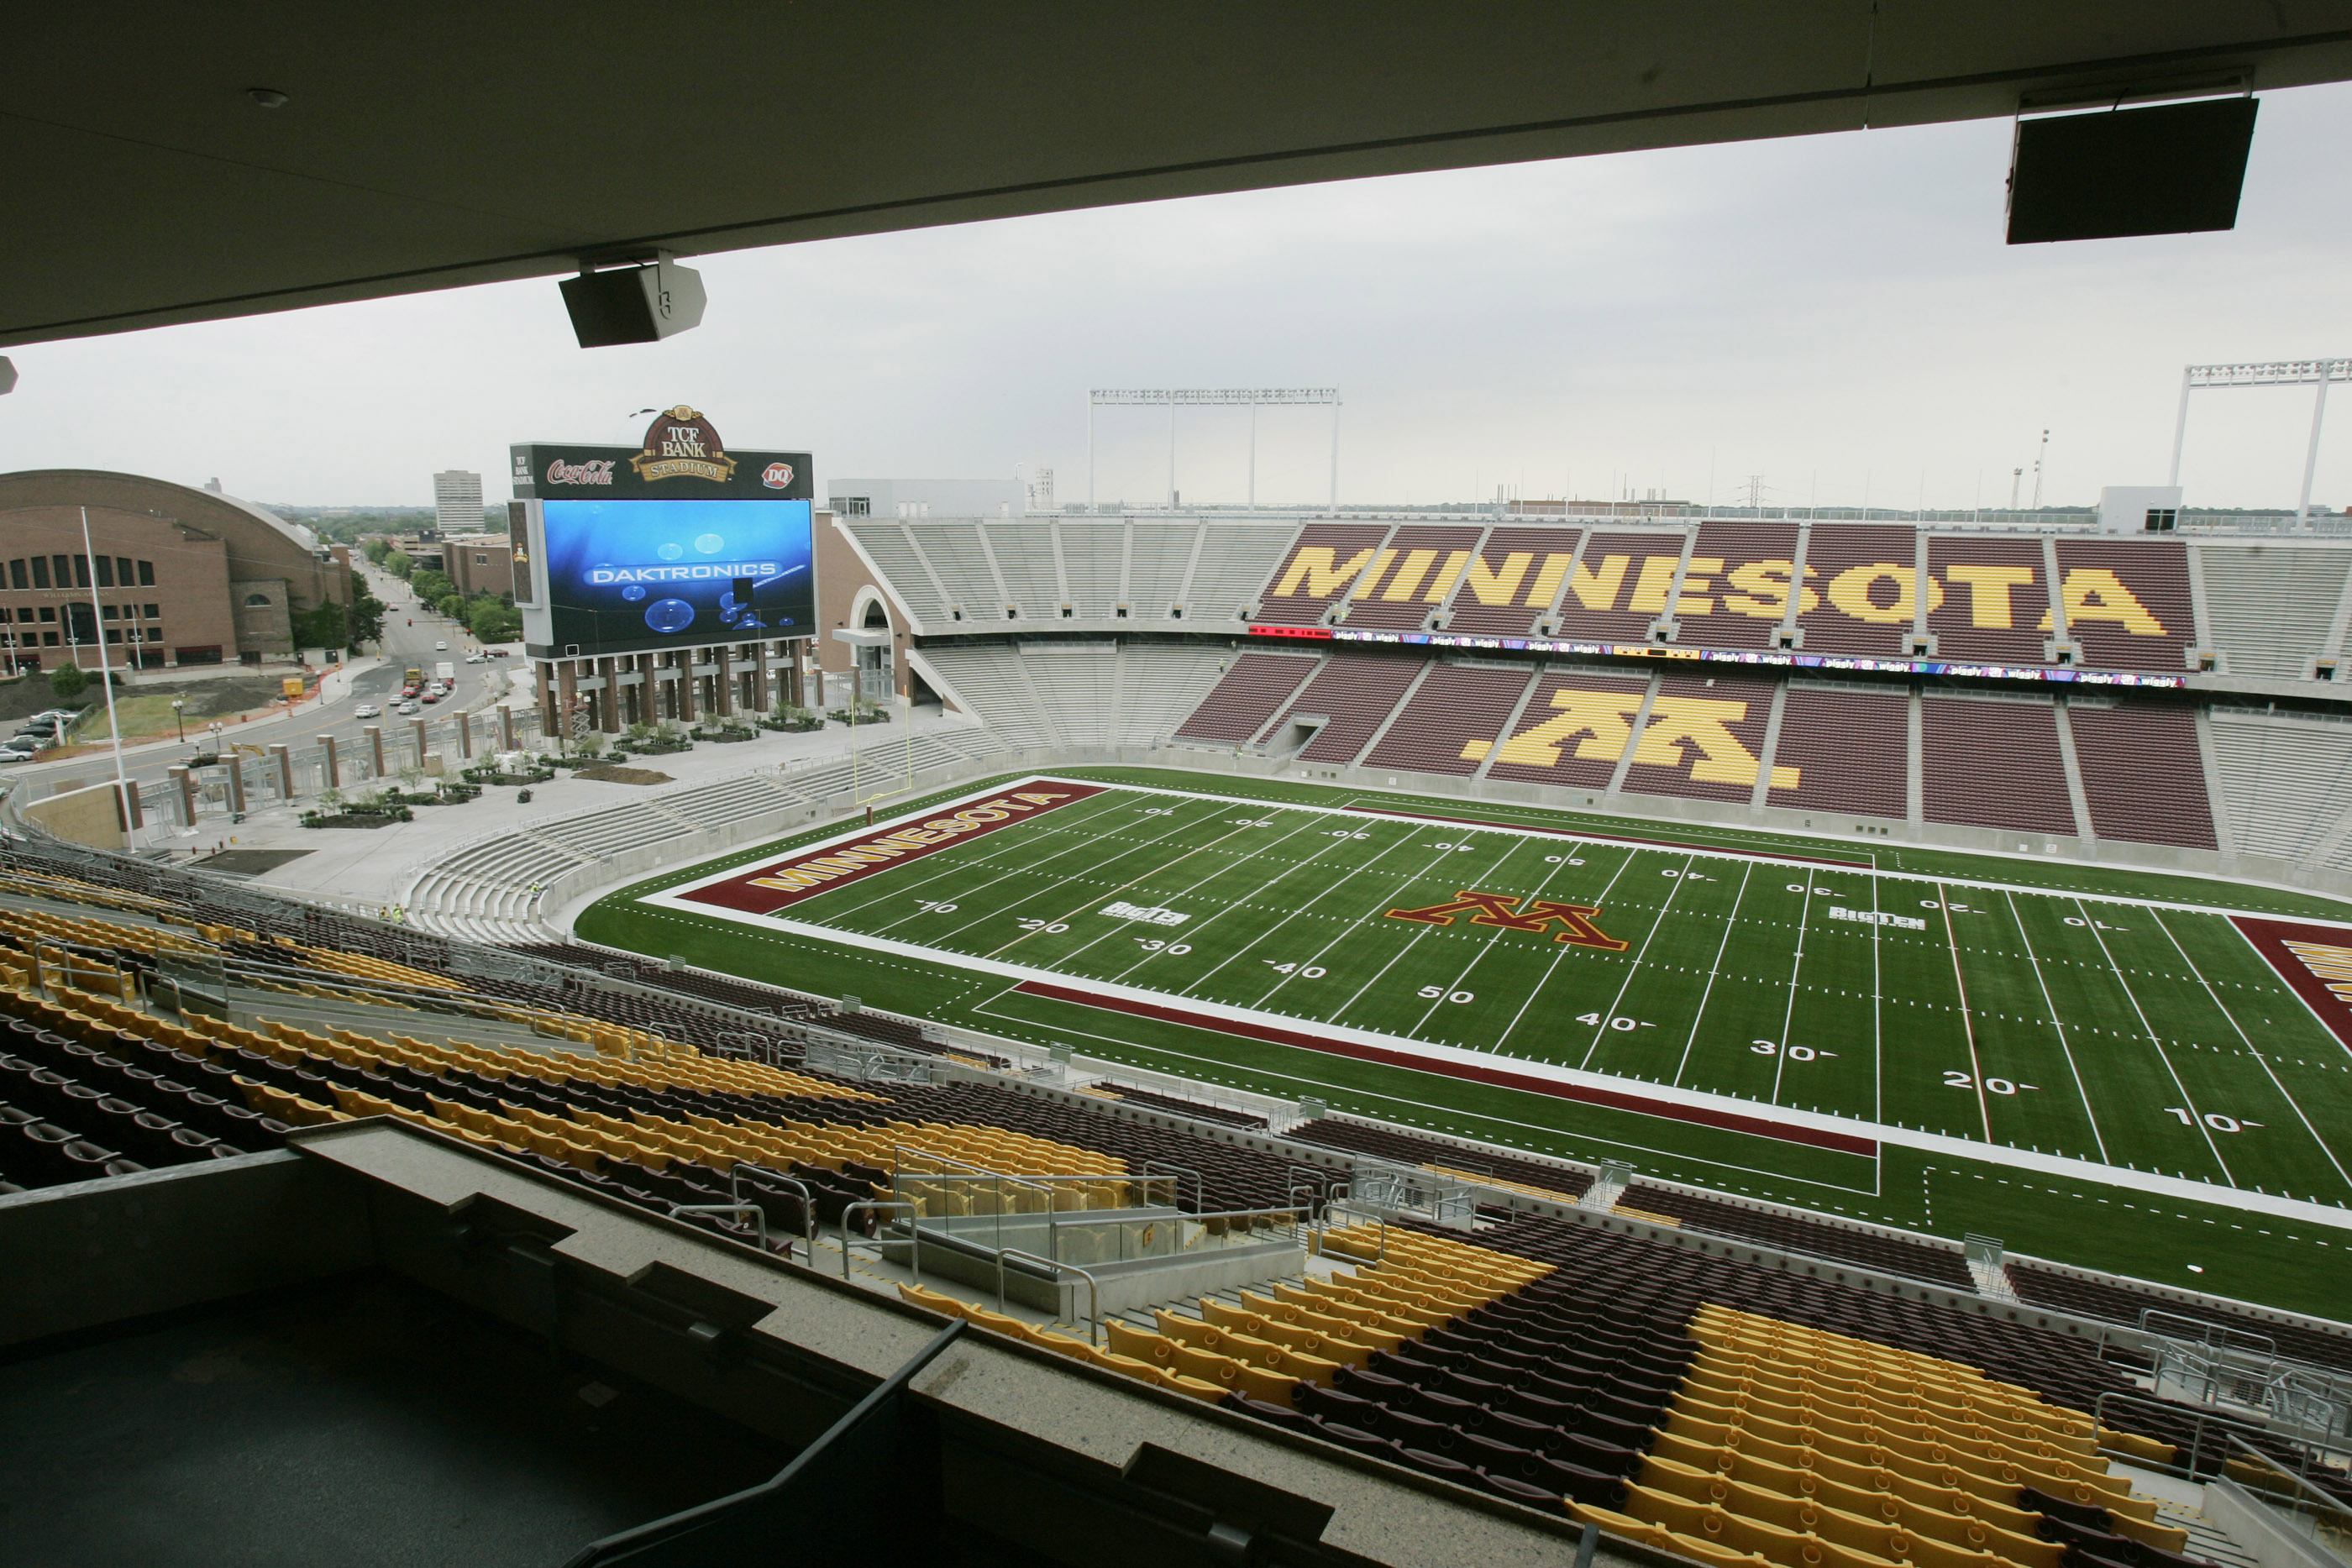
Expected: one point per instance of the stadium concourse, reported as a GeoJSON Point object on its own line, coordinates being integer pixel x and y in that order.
{"type": "Point", "coordinates": [1301, 1285]}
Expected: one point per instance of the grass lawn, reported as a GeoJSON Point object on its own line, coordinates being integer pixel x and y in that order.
{"type": "Point", "coordinates": [1945, 1041]}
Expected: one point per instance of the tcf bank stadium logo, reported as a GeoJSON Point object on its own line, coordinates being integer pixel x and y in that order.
{"type": "Point", "coordinates": [681, 445]}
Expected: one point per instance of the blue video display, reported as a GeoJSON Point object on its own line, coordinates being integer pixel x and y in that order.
{"type": "Point", "coordinates": [625, 576]}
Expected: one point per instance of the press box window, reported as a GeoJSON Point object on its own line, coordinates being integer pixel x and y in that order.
{"type": "Point", "coordinates": [2162, 520]}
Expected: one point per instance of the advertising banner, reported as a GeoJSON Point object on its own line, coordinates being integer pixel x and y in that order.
{"type": "Point", "coordinates": [677, 542]}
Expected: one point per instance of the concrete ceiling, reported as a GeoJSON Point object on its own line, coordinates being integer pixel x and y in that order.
{"type": "Point", "coordinates": [435, 145]}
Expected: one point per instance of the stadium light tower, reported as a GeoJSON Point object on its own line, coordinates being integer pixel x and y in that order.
{"type": "Point", "coordinates": [1173, 398]}
{"type": "Point", "coordinates": [2315, 374]}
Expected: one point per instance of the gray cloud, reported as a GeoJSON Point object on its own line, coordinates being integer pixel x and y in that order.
{"type": "Point", "coordinates": [1834, 313]}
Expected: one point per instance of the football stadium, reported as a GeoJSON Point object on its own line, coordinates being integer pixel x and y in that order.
{"type": "Point", "coordinates": [919, 1026]}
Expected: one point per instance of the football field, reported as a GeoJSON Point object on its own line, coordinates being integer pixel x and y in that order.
{"type": "Point", "coordinates": [1806, 1019]}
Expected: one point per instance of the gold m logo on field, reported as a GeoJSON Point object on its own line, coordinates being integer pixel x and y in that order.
{"type": "Point", "coordinates": [1692, 731]}
{"type": "Point", "coordinates": [1503, 909]}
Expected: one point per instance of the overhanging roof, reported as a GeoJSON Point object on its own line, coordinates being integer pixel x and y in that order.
{"type": "Point", "coordinates": [435, 144]}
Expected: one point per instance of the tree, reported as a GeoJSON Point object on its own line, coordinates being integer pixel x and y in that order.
{"type": "Point", "coordinates": [397, 563]}
{"type": "Point", "coordinates": [431, 586]}
{"type": "Point", "coordinates": [376, 550]}
{"type": "Point", "coordinates": [453, 605]}
{"type": "Point", "coordinates": [365, 615]}
{"type": "Point", "coordinates": [493, 620]}
{"type": "Point", "coordinates": [66, 681]}
{"type": "Point", "coordinates": [326, 626]}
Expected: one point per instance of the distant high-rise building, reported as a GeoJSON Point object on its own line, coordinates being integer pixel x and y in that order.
{"type": "Point", "coordinates": [1041, 491]}
{"type": "Point", "coordinates": [457, 503]}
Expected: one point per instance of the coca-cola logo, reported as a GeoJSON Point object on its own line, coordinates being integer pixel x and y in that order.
{"type": "Point", "coordinates": [595, 471]}
{"type": "Point", "coordinates": [777, 476]}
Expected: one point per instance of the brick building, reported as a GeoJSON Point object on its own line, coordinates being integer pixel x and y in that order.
{"type": "Point", "coordinates": [179, 576]}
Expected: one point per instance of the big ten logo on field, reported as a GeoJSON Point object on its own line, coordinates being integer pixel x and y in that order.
{"type": "Point", "coordinates": [1691, 733]}
{"type": "Point", "coordinates": [1880, 592]}
{"type": "Point", "coordinates": [1506, 910]}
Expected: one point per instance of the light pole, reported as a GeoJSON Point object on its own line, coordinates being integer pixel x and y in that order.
{"type": "Point", "coordinates": [178, 722]}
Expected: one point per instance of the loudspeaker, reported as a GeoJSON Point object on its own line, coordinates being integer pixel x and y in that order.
{"type": "Point", "coordinates": [634, 304]}
{"type": "Point", "coordinates": [2173, 169]}
{"type": "Point", "coordinates": [7, 376]}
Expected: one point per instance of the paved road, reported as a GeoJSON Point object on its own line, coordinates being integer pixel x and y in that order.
{"type": "Point", "coordinates": [410, 632]}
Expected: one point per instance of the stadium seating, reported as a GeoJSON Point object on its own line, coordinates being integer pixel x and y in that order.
{"type": "Point", "coordinates": [2106, 633]}
{"type": "Point", "coordinates": [1714, 613]}
{"type": "Point", "coordinates": [2271, 606]}
{"type": "Point", "coordinates": [1452, 720]}
{"type": "Point", "coordinates": [1822, 1239]}
{"type": "Point", "coordinates": [1344, 550]}
{"type": "Point", "coordinates": [2143, 774]}
{"type": "Point", "coordinates": [1992, 608]}
{"type": "Point", "coordinates": [1246, 696]}
{"type": "Point", "coordinates": [1869, 566]}
{"type": "Point", "coordinates": [1740, 701]}
{"type": "Point", "coordinates": [1503, 592]}
{"type": "Point", "coordinates": [1557, 1363]}
{"type": "Point", "coordinates": [1571, 768]}
{"type": "Point", "coordinates": [1561, 1182]}
{"type": "Point", "coordinates": [2282, 780]}
{"type": "Point", "coordinates": [1089, 694]}
{"type": "Point", "coordinates": [1410, 578]}
{"type": "Point", "coordinates": [1994, 764]}
{"type": "Point", "coordinates": [1619, 586]}
{"type": "Point", "coordinates": [955, 573]}
{"type": "Point", "coordinates": [1352, 693]}
{"type": "Point", "coordinates": [1851, 749]}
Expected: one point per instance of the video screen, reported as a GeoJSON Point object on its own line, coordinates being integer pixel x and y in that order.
{"type": "Point", "coordinates": [627, 576]}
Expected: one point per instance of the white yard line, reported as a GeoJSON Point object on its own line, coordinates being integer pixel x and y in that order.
{"type": "Point", "coordinates": [1713, 969]}
{"type": "Point", "coordinates": [1093, 900]}
{"type": "Point", "coordinates": [2081, 1092]}
{"type": "Point", "coordinates": [1976, 1063]}
{"type": "Point", "coordinates": [1560, 864]}
{"type": "Point", "coordinates": [1553, 967]}
{"type": "Point", "coordinates": [2253, 1050]}
{"type": "Point", "coordinates": [1424, 928]}
{"type": "Point", "coordinates": [1796, 969]}
{"type": "Point", "coordinates": [1246, 949]}
{"type": "Point", "coordinates": [1444, 854]}
{"type": "Point", "coordinates": [2187, 1103]}
{"type": "Point", "coordinates": [1232, 906]}
{"type": "Point", "coordinates": [1632, 970]}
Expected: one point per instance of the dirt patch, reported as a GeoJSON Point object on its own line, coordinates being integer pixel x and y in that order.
{"type": "Point", "coordinates": [248, 862]}
{"type": "Point", "coordinates": [609, 773]}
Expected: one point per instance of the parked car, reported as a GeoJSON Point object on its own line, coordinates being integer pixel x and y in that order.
{"type": "Point", "coordinates": [366, 710]}
{"type": "Point", "coordinates": [12, 752]}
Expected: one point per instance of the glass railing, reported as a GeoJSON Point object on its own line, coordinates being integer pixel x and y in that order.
{"type": "Point", "coordinates": [2296, 1503]}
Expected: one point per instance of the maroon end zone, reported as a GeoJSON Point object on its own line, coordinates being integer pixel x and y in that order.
{"type": "Point", "coordinates": [764, 889]}
{"type": "Point", "coordinates": [1502, 1078]}
{"type": "Point", "coordinates": [2316, 960]}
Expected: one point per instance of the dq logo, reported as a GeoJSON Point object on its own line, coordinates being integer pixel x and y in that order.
{"type": "Point", "coordinates": [777, 475]}
{"type": "Point", "coordinates": [1575, 920]}
{"type": "Point", "coordinates": [1693, 732]}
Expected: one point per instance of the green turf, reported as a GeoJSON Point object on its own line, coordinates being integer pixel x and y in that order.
{"type": "Point", "coordinates": [2036, 1015]}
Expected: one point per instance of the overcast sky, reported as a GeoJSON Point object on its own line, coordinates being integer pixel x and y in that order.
{"type": "Point", "coordinates": [1835, 314]}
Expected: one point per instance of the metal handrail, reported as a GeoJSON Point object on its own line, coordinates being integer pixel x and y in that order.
{"type": "Point", "coordinates": [629, 1543]}
{"type": "Point", "coordinates": [1349, 1206]}
{"type": "Point", "coordinates": [914, 1239]}
{"type": "Point", "coordinates": [2304, 1501]}
{"type": "Point", "coordinates": [1198, 1185]}
{"type": "Point", "coordinates": [1094, 1291]}
{"type": "Point", "coordinates": [759, 1215]}
{"type": "Point", "coordinates": [808, 1200]}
